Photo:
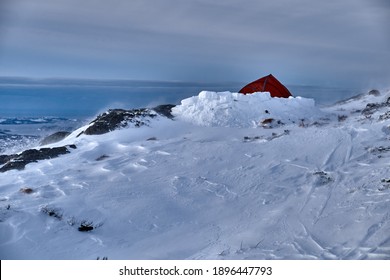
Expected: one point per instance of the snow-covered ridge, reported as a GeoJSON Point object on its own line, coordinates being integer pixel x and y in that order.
{"type": "Point", "coordinates": [211, 183]}
{"type": "Point", "coordinates": [229, 109]}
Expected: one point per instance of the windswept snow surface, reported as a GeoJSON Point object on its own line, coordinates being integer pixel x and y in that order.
{"type": "Point", "coordinates": [216, 182]}
{"type": "Point", "coordinates": [238, 110]}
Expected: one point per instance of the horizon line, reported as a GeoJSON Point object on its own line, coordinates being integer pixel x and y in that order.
{"type": "Point", "coordinates": [121, 82]}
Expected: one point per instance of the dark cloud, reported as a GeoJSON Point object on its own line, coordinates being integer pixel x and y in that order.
{"type": "Point", "coordinates": [197, 39]}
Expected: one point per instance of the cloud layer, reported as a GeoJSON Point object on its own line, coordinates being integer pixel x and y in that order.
{"type": "Point", "coordinates": [326, 42]}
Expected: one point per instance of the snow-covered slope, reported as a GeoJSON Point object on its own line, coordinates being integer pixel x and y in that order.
{"type": "Point", "coordinates": [230, 177]}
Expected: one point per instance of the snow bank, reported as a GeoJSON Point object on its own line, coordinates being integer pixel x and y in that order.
{"type": "Point", "coordinates": [232, 109]}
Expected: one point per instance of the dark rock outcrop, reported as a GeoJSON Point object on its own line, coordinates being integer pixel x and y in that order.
{"type": "Point", "coordinates": [5, 158]}
{"type": "Point", "coordinates": [374, 92]}
{"type": "Point", "coordinates": [120, 118]}
{"type": "Point", "coordinates": [385, 116]}
{"type": "Point", "coordinates": [373, 107]}
{"type": "Point", "coordinates": [102, 157]}
{"type": "Point", "coordinates": [164, 110]}
{"type": "Point", "coordinates": [19, 161]}
{"type": "Point", "coordinates": [55, 137]}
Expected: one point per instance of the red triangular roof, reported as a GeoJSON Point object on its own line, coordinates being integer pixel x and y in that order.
{"type": "Point", "coordinates": [268, 83]}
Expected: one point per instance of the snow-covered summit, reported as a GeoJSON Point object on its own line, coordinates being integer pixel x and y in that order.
{"type": "Point", "coordinates": [229, 109]}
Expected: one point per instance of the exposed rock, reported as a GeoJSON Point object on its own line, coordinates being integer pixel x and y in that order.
{"type": "Point", "coordinates": [26, 190]}
{"type": "Point", "coordinates": [86, 226]}
{"type": "Point", "coordinates": [323, 178]}
{"type": "Point", "coordinates": [5, 158]}
{"type": "Point", "coordinates": [120, 118]}
{"type": "Point", "coordinates": [55, 137]}
{"type": "Point", "coordinates": [164, 110]}
{"type": "Point", "coordinates": [117, 118]}
{"type": "Point", "coordinates": [251, 139]}
{"type": "Point", "coordinates": [272, 137]}
{"type": "Point", "coordinates": [19, 161]}
{"type": "Point", "coordinates": [378, 150]}
{"type": "Point", "coordinates": [341, 118]}
{"type": "Point", "coordinates": [385, 116]}
{"type": "Point", "coordinates": [373, 107]}
{"type": "Point", "coordinates": [385, 185]}
{"type": "Point", "coordinates": [52, 211]}
{"type": "Point", "coordinates": [276, 135]}
{"type": "Point", "coordinates": [374, 92]}
{"type": "Point", "coordinates": [270, 123]}
{"type": "Point", "coordinates": [102, 157]}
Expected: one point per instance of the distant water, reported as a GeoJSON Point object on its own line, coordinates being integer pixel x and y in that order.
{"type": "Point", "coordinates": [31, 111]}
{"type": "Point", "coordinates": [23, 132]}
{"type": "Point", "coordinates": [324, 95]}
{"type": "Point", "coordinates": [80, 101]}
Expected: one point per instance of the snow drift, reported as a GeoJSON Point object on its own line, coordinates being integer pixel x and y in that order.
{"type": "Point", "coordinates": [229, 109]}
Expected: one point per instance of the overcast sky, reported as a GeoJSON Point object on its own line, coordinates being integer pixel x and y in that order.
{"type": "Point", "coordinates": [332, 42]}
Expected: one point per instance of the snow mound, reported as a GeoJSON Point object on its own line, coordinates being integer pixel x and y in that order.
{"type": "Point", "coordinates": [232, 109]}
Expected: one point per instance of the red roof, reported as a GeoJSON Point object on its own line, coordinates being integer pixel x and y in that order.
{"type": "Point", "coordinates": [268, 83]}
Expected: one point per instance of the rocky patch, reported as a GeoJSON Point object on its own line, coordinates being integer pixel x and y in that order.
{"type": "Point", "coordinates": [385, 185]}
{"type": "Point", "coordinates": [19, 161]}
{"type": "Point", "coordinates": [102, 157]}
{"type": "Point", "coordinates": [385, 116]}
{"type": "Point", "coordinates": [264, 138]}
{"type": "Point", "coordinates": [374, 92]}
{"type": "Point", "coordinates": [373, 107]}
{"type": "Point", "coordinates": [120, 118]}
{"type": "Point", "coordinates": [271, 123]}
{"type": "Point", "coordinates": [322, 178]}
{"type": "Point", "coordinates": [164, 110]}
{"type": "Point", "coordinates": [378, 150]}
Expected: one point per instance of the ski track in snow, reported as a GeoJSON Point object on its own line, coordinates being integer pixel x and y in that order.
{"type": "Point", "coordinates": [206, 192]}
